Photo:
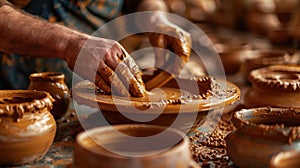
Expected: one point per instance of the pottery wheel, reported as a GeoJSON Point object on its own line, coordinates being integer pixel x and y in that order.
{"type": "Point", "coordinates": [167, 98]}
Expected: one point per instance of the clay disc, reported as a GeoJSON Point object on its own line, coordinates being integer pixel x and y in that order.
{"type": "Point", "coordinates": [170, 100]}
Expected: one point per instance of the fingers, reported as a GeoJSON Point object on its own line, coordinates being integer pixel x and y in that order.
{"type": "Point", "coordinates": [177, 41]}
{"type": "Point", "coordinates": [135, 88]}
{"type": "Point", "coordinates": [110, 77]}
{"type": "Point", "coordinates": [159, 41]}
{"type": "Point", "coordinates": [133, 67]}
{"type": "Point", "coordinates": [120, 70]}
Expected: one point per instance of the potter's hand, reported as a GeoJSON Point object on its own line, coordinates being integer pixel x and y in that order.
{"type": "Point", "coordinates": [108, 64]}
{"type": "Point", "coordinates": [173, 38]}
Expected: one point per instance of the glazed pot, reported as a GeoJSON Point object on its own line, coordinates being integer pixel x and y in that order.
{"type": "Point", "coordinates": [27, 128]}
{"type": "Point", "coordinates": [275, 86]}
{"type": "Point", "coordinates": [262, 133]}
{"type": "Point", "coordinates": [53, 83]}
{"type": "Point", "coordinates": [263, 58]}
{"type": "Point", "coordinates": [285, 159]}
{"type": "Point", "coordinates": [132, 146]}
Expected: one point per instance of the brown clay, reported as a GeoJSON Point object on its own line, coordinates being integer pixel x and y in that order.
{"type": "Point", "coordinates": [132, 146]}
{"type": "Point", "coordinates": [262, 133]}
{"type": "Point", "coordinates": [289, 158]}
{"type": "Point", "coordinates": [27, 128]}
{"type": "Point", "coordinates": [232, 54]}
{"type": "Point", "coordinates": [263, 58]}
{"type": "Point", "coordinates": [53, 83]}
{"type": "Point", "coordinates": [275, 86]}
{"type": "Point", "coordinates": [193, 101]}
{"type": "Point", "coordinates": [279, 36]}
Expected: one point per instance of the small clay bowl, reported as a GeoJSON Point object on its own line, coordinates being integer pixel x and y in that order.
{"type": "Point", "coordinates": [261, 133]}
{"type": "Point", "coordinates": [286, 159]}
{"type": "Point", "coordinates": [27, 128]}
{"type": "Point", "coordinates": [275, 86]}
{"type": "Point", "coordinates": [232, 54]}
{"type": "Point", "coordinates": [132, 146]}
{"type": "Point", "coordinates": [263, 58]}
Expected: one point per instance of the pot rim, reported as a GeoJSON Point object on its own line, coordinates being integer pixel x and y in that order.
{"type": "Point", "coordinates": [268, 56]}
{"type": "Point", "coordinates": [47, 76]}
{"type": "Point", "coordinates": [37, 101]}
{"type": "Point", "coordinates": [287, 79]}
{"type": "Point", "coordinates": [81, 137]}
{"type": "Point", "coordinates": [241, 120]}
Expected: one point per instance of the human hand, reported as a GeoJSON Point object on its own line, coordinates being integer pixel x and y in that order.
{"type": "Point", "coordinates": [107, 63]}
{"type": "Point", "coordinates": [173, 38]}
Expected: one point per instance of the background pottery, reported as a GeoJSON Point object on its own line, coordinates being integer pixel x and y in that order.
{"type": "Point", "coordinates": [53, 83]}
{"type": "Point", "coordinates": [132, 146]}
{"type": "Point", "coordinates": [262, 133]}
{"type": "Point", "coordinates": [232, 54]}
{"type": "Point", "coordinates": [275, 86]}
{"type": "Point", "coordinates": [264, 58]}
{"type": "Point", "coordinates": [27, 128]}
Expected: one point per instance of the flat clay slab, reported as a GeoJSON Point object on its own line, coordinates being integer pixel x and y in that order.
{"type": "Point", "coordinates": [167, 99]}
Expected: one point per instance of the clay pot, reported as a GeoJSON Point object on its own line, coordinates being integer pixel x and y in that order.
{"type": "Point", "coordinates": [293, 26]}
{"type": "Point", "coordinates": [275, 86]}
{"type": "Point", "coordinates": [232, 54]}
{"type": "Point", "coordinates": [53, 83]}
{"type": "Point", "coordinates": [279, 36]}
{"type": "Point", "coordinates": [27, 128]}
{"type": "Point", "coordinates": [284, 9]}
{"type": "Point", "coordinates": [285, 159]}
{"type": "Point", "coordinates": [132, 146]}
{"type": "Point", "coordinates": [263, 58]}
{"type": "Point", "coordinates": [262, 133]}
{"type": "Point", "coordinates": [261, 16]}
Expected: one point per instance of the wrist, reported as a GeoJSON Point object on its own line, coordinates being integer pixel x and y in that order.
{"type": "Point", "coordinates": [75, 42]}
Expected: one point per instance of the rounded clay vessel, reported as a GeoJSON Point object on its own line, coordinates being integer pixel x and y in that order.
{"type": "Point", "coordinates": [53, 83]}
{"type": "Point", "coordinates": [262, 133]}
{"type": "Point", "coordinates": [132, 146]}
{"type": "Point", "coordinates": [264, 58]}
{"type": "Point", "coordinates": [275, 86]}
{"type": "Point", "coordinates": [27, 128]}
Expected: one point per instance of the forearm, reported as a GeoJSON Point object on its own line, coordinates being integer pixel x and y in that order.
{"type": "Point", "coordinates": [27, 35]}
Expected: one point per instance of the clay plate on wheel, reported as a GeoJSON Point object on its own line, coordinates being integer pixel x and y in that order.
{"type": "Point", "coordinates": [171, 101]}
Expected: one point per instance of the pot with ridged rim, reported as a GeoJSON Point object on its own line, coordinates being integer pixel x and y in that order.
{"type": "Point", "coordinates": [27, 128]}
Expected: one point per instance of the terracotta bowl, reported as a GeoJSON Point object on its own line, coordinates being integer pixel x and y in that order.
{"type": "Point", "coordinates": [27, 128]}
{"type": "Point", "coordinates": [261, 133]}
{"type": "Point", "coordinates": [132, 146]}
{"type": "Point", "coordinates": [285, 159]}
{"type": "Point", "coordinates": [182, 109]}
